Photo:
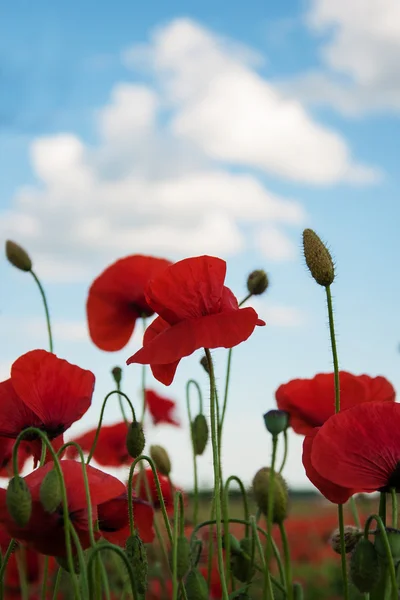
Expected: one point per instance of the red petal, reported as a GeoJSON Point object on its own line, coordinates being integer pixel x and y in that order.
{"type": "Point", "coordinates": [116, 299]}
{"type": "Point", "coordinates": [188, 289]}
{"type": "Point", "coordinates": [359, 447]}
{"type": "Point", "coordinates": [58, 392]}
{"type": "Point", "coordinates": [161, 409]}
{"type": "Point", "coordinates": [334, 493]}
{"type": "Point", "coordinates": [379, 388]}
{"type": "Point", "coordinates": [15, 415]}
{"type": "Point", "coordinates": [110, 449]}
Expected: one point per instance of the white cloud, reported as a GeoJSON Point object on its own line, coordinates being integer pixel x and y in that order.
{"type": "Point", "coordinates": [279, 315]}
{"type": "Point", "coordinates": [274, 245]}
{"type": "Point", "coordinates": [360, 52]}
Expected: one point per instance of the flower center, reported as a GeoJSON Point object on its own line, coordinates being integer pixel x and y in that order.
{"type": "Point", "coordinates": [393, 481]}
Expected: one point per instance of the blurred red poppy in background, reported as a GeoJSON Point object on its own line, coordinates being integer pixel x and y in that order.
{"type": "Point", "coordinates": [161, 409]}
{"type": "Point", "coordinates": [6, 450]}
{"type": "Point", "coordinates": [195, 311]}
{"type": "Point", "coordinates": [167, 489]}
{"type": "Point", "coordinates": [116, 300]}
{"type": "Point", "coordinates": [114, 521]}
{"type": "Point", "coordinates": [110, 449]}
{"type": "Point", "coordinates": [44, 391]}
{"type": "Point", "coordinates": [310, 402]}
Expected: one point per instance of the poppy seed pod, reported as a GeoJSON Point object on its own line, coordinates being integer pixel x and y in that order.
{"type": "Point", "coordinates": [19, 500]}
{"type": "Point", "coordinates": [352, 536]}
{"type": "Point", "coordinates": [17, 256]}
{"type": "Point", "coordinates": [261, 485]}
{"type": "Point", "coordinates": [364, 566]}
{"type": "Point", "coordinates": [136, 553]}
{"type": "Point", "coordinates": [135, 440]}
{"type": "Point", "coordinates": [50, 492]}
{"type": "Point", "coordinates": [241, 564]}
{"type": "Point", "coordinates": [161, 459]}
{"type": "Point", "coordinates": [257, 282]}
{"type": "Point", "coordinates": [318, 258]}
{"type": "Point", "coordinates": [116, 372]}
{"type": "Point", "coordinates": [183, 556]}
{"type": "Point", "coordinates": [196, 586]}
{"type": "Point", "coordinates": [393, 536]}
{"type": "Point", "coordinates": [276, 421]}
{"type": "Point", "coordinates": [199, 434]}
{"type": "Point", "coordinates": [234, 544]}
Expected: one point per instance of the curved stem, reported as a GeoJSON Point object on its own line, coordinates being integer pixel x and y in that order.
{"type": "Point", "coordinates": [46, 309]}
{"type": "Point", "coordinates": [217, 484]}
{"type": "Point", "coordinates": [122, 555]}
{"type": "Point", "coordinates": [354, 511]}
{"type": "Point", "coordinates": [389, 557]}
{"type": "Point", "coordinates": [121, 404]}
{"type": "Point", "coordinates": [57, 583]}
{"type": "Point", "coordinates": [4, 562]}
{"type": "Point", "coordinates": [285, 451]}
{"type": "Point", "coordinates": [196, 482]}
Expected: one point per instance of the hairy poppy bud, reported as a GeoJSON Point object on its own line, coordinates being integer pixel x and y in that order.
{"type": "Point", "coordinates": [135, 440]}
{"type": "Point", "coordinates": [136, 553]}
{"type": "Point", "coordinates": [297, 591]}
{"type": "Point", "coordinates": [318, 258]}
{"type": "Point", "coordinates": [17, 256]}
{"type": "Point", "coordinates": [161, 459]}
{"type": "Point", "coordinates": [393, 536]}
{"type": "Point", "coordinates": [204, 364]}
{"type": "Point", "coordinates": [241, 564]}
{"type": "Point", "coordinates": [50, 492]}
{"type": "Point", "coordinates": [19, 500]}
{"type": "Point", "coordinates": [276, 421]}
{"type": "Point", "coordinates": [199, 434]}
{"type": "Point", "coordinates": [261, 485]}
{"type": "Point", "coordinates": [257, 282]}
{"type": "Point", "coordinates": [64, 564]}
{"type": "Point", "coordinates": [196, 586]}
{"type": "Point", "coordinates": [352, 536]}
{"type": "Point", "coordinates": [116, 372]}
{"type": "Point", "coordinates": [183, 556]}
{"type": "Point", "coordinates": [234, 544]}
{"type": "Point", "coordinates": [364, 566]}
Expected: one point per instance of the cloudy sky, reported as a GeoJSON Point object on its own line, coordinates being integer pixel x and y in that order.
{"type": "Point", "coordinates": [175, 132]}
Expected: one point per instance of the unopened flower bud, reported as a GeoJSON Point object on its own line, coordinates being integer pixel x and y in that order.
{"type": "Point", "coordinates": [135, 440]}
{"type": "Point", "coordinates": [64, 564]}
{"type": "Point", "coordinates": [136, 553]}
{"type": "Point", "coordinates": [261, 489]}
{"type": "Point", "coordinates": [364, 566]}
{"type": "Point", "coordinates": [257, 282]}
{"type": "Point", "coordinates": [318, 258]}
{"type": "Point", "coordinates": [241, 564]}
{"type": "Point", "coordinates": [352, 536]}
{"type": "Point", "coordinates": [204, 364]}
{"type": "Point", "coordinates": [199, 434]}
{"type": "Point", "coordinates": [393, 536]}
{"type": "Point", "coordinates": [196, 586]}
{"type": "Point", "coordinates": [19, 500]}
{"type": "Point", "coordinates": [183, 556]}
{"type": "Point", "coordinates": [234, 544]}
{"type": "Point", "coordinates": [50, 492]}
{"type": "Point", "coordinates": [298, 593]}
{"type": "Point", "coordinates": [276, 421]}
{"type": "Point", "coordinates": [116, 372]}
{"type": "Point", "coordinates": [161, 459]}
{"type": "Point", "coordinates": [17, 256]}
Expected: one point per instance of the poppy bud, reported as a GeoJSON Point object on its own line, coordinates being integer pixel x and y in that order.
{"type": "Point", "coordinates": [352, 536]}
{"type": "Point", "coordinates": [261, 483]}
{"type": "Point", "coordinates": [64, 564]}
{"type": "Point", "coordinates": [50, 492]}
{"type": "Point", "coordinates": [161, 459]}
{"type": "Point", "coordinates": [257, 282]}
{"type": "Point", "coordinates": [234, 544]}
{"type": "Point", "coordinates": [136, 553]}
{"type": "Point", "coordinates": [204, 364]}
{"type": "Point", "coordinates": [116, 372]}
{"type": "Point", "coordinates": [19, 500]}
{"type": "Point", "coordinates": [17, 256]}
{"type": "Point", "coordinates": [297, 591]}
{"type": "Point", "coordinates": [135, 440]}
{"type": "Point", "coordinates": [196, 586]}
{"type": "Point", "coordinates": [183, 556]}
{"type": "Point", "coordinates": [241, 565]}
{"type": "Point", "coordinates": [199, 434]}
{"type": "Point", "coordinates": [393, 536]}
{"type": "Point", "coordinates": [318, 258]}
{"type": "Point", "coordinates": [364, 566]}
{"type": "Point", "coordinates": [276, 421]}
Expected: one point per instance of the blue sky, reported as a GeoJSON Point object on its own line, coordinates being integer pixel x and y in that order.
{"type": "Point", "coordinates": [176, 131]}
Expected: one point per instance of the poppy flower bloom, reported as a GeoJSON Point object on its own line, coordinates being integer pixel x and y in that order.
{"type": "Point", "coordinates": [114, 521]}
{"type": "Point", "coordinates": [310, 402]}
{"type": "Point", "coordinates": [46, 392]}
{"type": "Point", "coordinates": [45, 532]}
{"type": "Point", "coordinates": [195, 311]}
{"type": "Point", "coordinates": [110, 449]}
{"type": "Point", "coordinates": [116, 299]}
{"type": "Point", "coordinates": [167, 489]}
{"type": "Point", "coordinates": [357, 450]}
{"type": "Point", "coordinates": [160, 408]}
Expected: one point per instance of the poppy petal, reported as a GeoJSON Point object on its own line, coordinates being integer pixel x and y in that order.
{"type": "Point", "coordinates": [15, 415]}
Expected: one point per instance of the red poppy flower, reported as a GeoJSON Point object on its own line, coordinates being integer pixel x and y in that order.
{"type": "Point", "coordinates": [195, 311]}
{"type": "Point", "coordinates": [161, 409]}
{"type": "Point", "coordinates": [114, 521]}
{"type": "Point", "coordinates": [45, 532]}
{"type": "Point", "coordinates": [167, 489]}
{"type": "Point", "coordinates": [359, 448]}
{"type": "Point", "coordinates": [45, 392]}
{"type": "Point", "coordinates": [116, 299]}
{"type": "Point", "coordinates": [310, 402]}
{"type": "Point", "coordinates": [110, 449]}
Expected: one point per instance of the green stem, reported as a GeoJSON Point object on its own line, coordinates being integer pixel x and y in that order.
{"type": "Point", "coordinates": [217, 483]}
{"type": "Point", "coordinates": [196, 482]}
{"type": "Point", "coordinates": [394, 508]}
{"type": "Point", "coordinates": [44, 580]}
{"type": "Point", "coordinates": [285, 451]}
{"type": "Point", "coordinates": [382, 507]}
{"type": "Point", "coordinates": [46, 309]}
{"type": "Point", "coordinates": [389, 557]}
{"type": "Point", "coordinates": [178, 530]}
{"type": "Point", "coordinates": [21, 564]}
{"type": "Point", "coordinates": [287, 561]}
{"type": "Point", "coordinates": [354, 511]}
{"type": "Point", "coordinates": [122, 555]}
{"type": "Point", "coordinates": [143, 379]}
{"type": "Point", "coordinates": [57, 583]}
{"type": "Point", "coordinates": [81, 557]}
{"type": "Point", "coordinates": [268, 591]}
{"type": "Point", "coordinates": [121, 404]}
{"type": "Point", "coordinates": [4, 562]}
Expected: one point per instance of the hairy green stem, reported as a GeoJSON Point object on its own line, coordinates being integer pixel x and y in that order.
{"type": "Point", "coordinates": [389, 557]}
{"type": "Point", "coordinates": [196, 482]}
{"type": "Point", "coordinates": [394, 508]}
{"type": "Point", "coordinates": [46, 309]}
{"type": "Point", "coordinates": [285, 451]}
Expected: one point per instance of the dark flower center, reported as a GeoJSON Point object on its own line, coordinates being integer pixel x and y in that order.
{"type": "Point", "coordinates": [393, 481]}
{"type": "Point", "coordinates": [52, 431]}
